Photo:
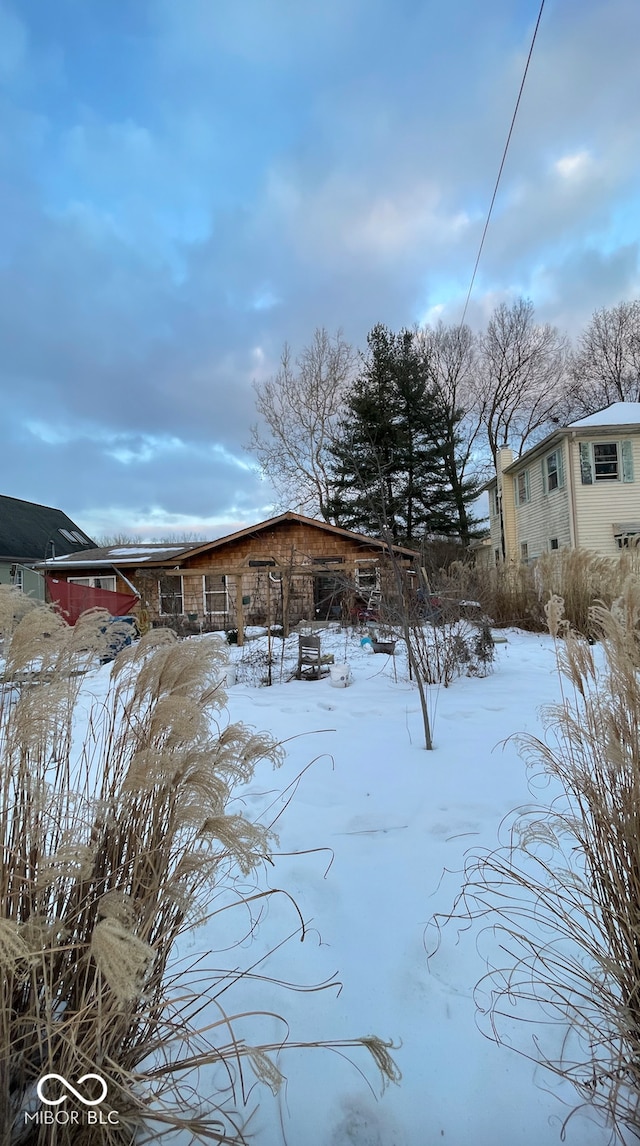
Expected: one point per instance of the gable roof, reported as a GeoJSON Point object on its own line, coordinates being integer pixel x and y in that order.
{"type": "Point", "coordinates": [30, 532]}
{"type": "Point", "coordinates": [158, 555]}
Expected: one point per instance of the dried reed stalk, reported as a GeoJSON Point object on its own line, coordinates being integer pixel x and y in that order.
{"type": "Point", "coordinates": [112, 848]}
{"type": "Point", "coordinates": [562, 896]}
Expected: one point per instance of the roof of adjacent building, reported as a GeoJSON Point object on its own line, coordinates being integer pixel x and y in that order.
{"type": "Point", "coordinates": [159, 555]}
{"type": "Point", "coordinates": [30, 532]}
{"type": "Point", "coordinates": [617, 414]}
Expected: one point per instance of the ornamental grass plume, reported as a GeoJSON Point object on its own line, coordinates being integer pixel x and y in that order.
{"type": "Point", "coordinates": [116, 837]}
{"type": "Point", "coordinates": [562, 896]}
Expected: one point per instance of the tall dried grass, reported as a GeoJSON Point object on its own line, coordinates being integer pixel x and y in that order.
{"type": "Point", "coordinates": [114, 845]}
{"type": "Point", "coordinates": [563, 895]}
{"type": "Point", "coordinates": [514, 594]}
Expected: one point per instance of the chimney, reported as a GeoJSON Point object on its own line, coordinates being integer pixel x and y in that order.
{"type": "Point", "coordinates": [505, 458]}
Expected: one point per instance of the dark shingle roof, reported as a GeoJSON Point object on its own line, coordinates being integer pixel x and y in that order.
{"type": "Point", "coordinates": [30, 532]}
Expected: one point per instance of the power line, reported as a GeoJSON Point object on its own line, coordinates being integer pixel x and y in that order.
{"type": "Point", "coordinates": [504, 156]}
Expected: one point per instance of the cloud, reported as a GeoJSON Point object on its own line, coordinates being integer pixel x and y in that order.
{"type": "Point", "coordinates": [259, 168]}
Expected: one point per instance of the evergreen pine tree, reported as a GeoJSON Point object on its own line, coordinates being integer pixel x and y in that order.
{"type": "Point", "coordinates": [389, 453]}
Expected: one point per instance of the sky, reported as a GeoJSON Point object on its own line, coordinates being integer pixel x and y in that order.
{"type": "Point", "coordinates": [184, 186]}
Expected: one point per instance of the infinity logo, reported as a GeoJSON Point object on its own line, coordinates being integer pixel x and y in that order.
{"type": "Point", "coordinates": [72, 1090]}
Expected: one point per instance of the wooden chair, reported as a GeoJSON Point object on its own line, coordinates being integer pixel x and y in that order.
{"type": "Point", "coordinates": [309, 655]}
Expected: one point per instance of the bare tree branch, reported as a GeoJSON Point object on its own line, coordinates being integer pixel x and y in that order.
{"type": "Point", "coordinates": [299, 407]}
{"type": "Point", "coordinates": [521, 368]}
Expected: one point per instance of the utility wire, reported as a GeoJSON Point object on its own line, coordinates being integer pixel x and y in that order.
{"type": "Point", "coordinates": [504, 156]}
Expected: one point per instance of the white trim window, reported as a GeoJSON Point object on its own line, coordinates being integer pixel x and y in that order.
{"type": "Point", "coordinates": [523, 488]}
{"type": "Point", "coordinates": [494, 508]}
{"type": "Point", "coordinates": [368, 577]}
{"type": "Point", "coordinates": [108, 582]}
{"type": "Point", "coordinates": [524, 552]}
{"type": "Point", "coordinates": [606, 462]}
{"type": "Point", "coordinates": [170, 595]}
{"type": "Point", "coordinates": [215, 593]}
{"type": "Point", "coordinates": [553, 471]}
{"type": "Point", "coordinates": [17, 577]}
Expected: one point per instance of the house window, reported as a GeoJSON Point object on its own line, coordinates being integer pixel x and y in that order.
{"type": "Point", "coordinates": [606, 461]}
{"type": "Point", "coordinates": [216, 596]}
{"type": "Point", "coordinates": [16, 577]}
{"type": "Point", "coordinates": [523, 494]}
{"type": "Point", "coordinates": [368, 578]}
{"type": "Point", "coordinates": [95, 582]}
{"type": "Point", "coordinates": [524, 552]}
{"type": "Point", "coordinates": [493, 501]}
{"type": "Point", "coordinates": [170, 594]}
{"type": "Point", "coordinates": [553, 544]}
{"type": "Point", "coordinates": [496, 554]}
{"type": "Point", "coordinates": [553, 471]}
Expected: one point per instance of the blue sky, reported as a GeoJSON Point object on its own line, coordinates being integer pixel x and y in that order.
{"type": "Point", "coordinates": [186, 184]}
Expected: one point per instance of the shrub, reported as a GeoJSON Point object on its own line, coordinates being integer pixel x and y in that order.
{"type": "Point", "coordinates": [114, 845]}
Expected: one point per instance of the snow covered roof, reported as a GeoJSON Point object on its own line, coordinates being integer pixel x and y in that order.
{"type": "Point", "coordinates": [618, 414]}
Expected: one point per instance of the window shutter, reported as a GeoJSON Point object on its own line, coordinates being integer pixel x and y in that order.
{"type": "Point", "coordinates": [627, 461]}
{"type": "Point", "coordinates": [545, 484]}
{"type": "Point", "coordinates": [527, 490]}
{"type": "Point", "coordinates": [560, 457]}
{"type": "Point", "coordinates": [586, 474]}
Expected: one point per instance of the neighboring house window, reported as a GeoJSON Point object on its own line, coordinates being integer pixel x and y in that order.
{"type": "Point", "coordinates": [171, 599]}
{"type": "Point", "coordinates": [523, 492]}
{"type": "Point", "coordinates": [16, 577]}
{"type": "Point", "coordinates": [493, 501]}
{"type": "Point", "coordinates": [216, 597]}
{"type": "Point", "coordinates": [368, 578]}
{"type": "Point", "coordinates": [496, 554]}
{"type": "Point", "coordinates": [95, 582]}
{"type": "Point", "coordinates": [553, 471]}
{"type": "Point", "coordinates": [524, 552]}
{"type": "Point", "coordinates": [553, 544]}
{"type": "Point", "coordinates": [606, 461]}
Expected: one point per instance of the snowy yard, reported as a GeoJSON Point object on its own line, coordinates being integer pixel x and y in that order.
{"type": "Point", "coordinates": [372, 842]}
{"type": "Point", "coordinates": [392, 818]}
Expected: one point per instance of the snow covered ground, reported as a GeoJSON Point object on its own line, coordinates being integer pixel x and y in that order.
{"type": "Point", "coordinates": [371, 846]}
{"type": "Point", "coordinates": [392, 817]}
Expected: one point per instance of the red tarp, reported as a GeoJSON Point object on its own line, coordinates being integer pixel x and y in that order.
{"type": "Point", "coordinates": [72, 600]}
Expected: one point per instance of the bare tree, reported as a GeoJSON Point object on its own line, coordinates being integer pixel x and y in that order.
{"type": "Point", "coordinates": [450, 354]}
{"type": "Point", "coordinates": [299, 407]}
{"type": "Point", "coordinates": [521, 367]}
{"type": "Point", "coordinates": [605, 368]}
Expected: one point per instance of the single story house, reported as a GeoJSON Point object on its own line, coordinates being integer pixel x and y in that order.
{"type": "Point", "coordinates": [31, 533]}
{"type": "Point", "coordinates": [578, 488]}
{"type": "Point", "coordinates": [283, 570]}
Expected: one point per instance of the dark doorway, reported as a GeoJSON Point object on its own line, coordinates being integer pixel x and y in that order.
{"type": "Point", "coordinates": [327, 597]}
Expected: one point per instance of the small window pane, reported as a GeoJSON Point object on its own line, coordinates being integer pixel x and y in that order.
{"type": "Point", "coordinates": [605, 461]}
{"type": "Point", "coordinates": [215, 593]}
{"type": "Point", "coordinates": [553, 479]}
{"type": "Point", "coordinates": [170, 590]}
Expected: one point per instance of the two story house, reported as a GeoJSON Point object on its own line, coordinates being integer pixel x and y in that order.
{"type": "Point", "coordinates": [30, 533]}
{"type": "Point", "coordinates": [578, 488]}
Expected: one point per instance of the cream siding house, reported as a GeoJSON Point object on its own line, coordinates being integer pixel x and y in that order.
{"type": "Point", "coordinates": [578, 488]}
